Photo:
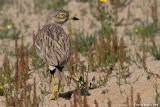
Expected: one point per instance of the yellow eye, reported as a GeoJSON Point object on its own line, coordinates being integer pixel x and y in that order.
{"type": "Point", "coordinates": [61, 16]}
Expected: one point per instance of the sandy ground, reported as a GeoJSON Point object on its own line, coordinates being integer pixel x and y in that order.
{"type": "Point", "coordinates": [142, 86]}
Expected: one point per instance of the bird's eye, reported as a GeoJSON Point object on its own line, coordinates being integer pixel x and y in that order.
{"type": "Point", "coordinates": [61, 16]}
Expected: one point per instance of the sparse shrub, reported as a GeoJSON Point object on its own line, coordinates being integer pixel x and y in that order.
{"type": "Point", "coordinates": [154, 49]}
{"type": "Point", "coordinates": [7, 32]}
{"type": "Point", "coordinates": [84, 42]}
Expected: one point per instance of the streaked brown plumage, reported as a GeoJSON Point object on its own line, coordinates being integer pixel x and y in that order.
{"type": "Point", "coordinates": [52, 43]}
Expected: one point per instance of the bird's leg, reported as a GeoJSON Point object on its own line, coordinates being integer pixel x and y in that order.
{"type": "Point", "coordinates": [53, 90]}
{"type": "Point", "coordinates": [59, 85]}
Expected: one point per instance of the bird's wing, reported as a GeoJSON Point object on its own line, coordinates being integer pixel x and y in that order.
{"type": "Point", "coordinates": [53, 45]}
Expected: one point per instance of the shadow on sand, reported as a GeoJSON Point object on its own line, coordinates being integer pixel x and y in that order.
{"type": "Point", "coordinates": [67, 95]}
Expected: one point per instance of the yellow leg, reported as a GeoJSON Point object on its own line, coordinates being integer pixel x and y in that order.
{"type": "Point", "coordinates": [63, 87]}
{"type": "Point", "coordinates": [53, 90]}
{"type": "Point", "coordinates": [58, 89]}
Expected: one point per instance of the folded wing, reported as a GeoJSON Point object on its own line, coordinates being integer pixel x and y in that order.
{"type": "Point", "coordinates": [53, 45]}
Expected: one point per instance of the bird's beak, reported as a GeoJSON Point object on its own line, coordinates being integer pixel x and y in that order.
{"type": "Point", "coordinates": [73, 18]}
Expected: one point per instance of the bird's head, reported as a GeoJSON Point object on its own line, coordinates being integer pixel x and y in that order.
{"type": "Point", "coordinates": [59, 17]}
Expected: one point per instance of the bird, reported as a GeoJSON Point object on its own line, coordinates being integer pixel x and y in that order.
{"type": "Point", "coordinates": [52, 44]}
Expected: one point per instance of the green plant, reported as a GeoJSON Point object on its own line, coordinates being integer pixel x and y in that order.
{"type": "Point", "coordinates": [14, 84]}
{"type": "Point", "coordinates": [148, 71]}
{"type": "Point", "coordinates": [109, 102]}
{"type": "Point", "coordinates": [101, 81]}
{"type": "Point", "coordinates": [84, 42]}
{"type": "Point", "coordinates": [154, 50]}
{"type": "Point", "coordinates": [7, 32]}
{"type": "Point", "coordinates": [128, 31]}
{"type": "Point", "coordinates": [149, 29]}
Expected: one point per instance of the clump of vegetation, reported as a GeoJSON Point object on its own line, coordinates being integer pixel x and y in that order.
{"type": "Point", "coordinates": [14, 84]}
{"type": "Point", "coordinates": [84, 42]}
{"type": "Point", "coordinates": [131, 101]}
{"type": "Point", "coordinates": [8, 30]}
{"type": "Point", "coordinates": [154, 49]}
{"type": "Point", "coordinates": [49, 4]}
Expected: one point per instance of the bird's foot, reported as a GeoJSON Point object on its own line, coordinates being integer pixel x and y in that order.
{"type": "Point", "coordinates": [52, 97]}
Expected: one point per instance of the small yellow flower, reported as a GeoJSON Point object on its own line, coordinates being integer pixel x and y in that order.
{"type": "Point", "coordinates": [76, 32]}
{"type": "Point", "coordinates": [1, 87]}
{"type": "Point", "coordinates": [9, 25]}
{"type": "Point", "coordinates": [25, 24]}
{"type": "Point", "coordinates": [77, 78]}
{"type": "Point", "coordinates": [103, 0]}
{"type": "Point", "coordinates": [83, 17]}
{"type": "Point", "coordinates": [136, 30]}
{"type": "Point", "coordinates": [89, 62]}
{"type": "Point", "coordinates": [141, 28]}
{"type": "Point", "coordinates": [1, 27]}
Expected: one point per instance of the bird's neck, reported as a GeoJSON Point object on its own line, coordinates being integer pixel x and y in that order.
{"type": "Point", "coordinates": [58, 24]}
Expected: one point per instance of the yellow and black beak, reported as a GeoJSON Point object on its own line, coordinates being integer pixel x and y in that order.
{"type": "Point", "coordinates": [73, 18]}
